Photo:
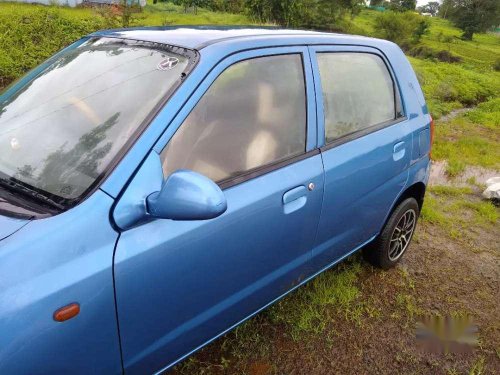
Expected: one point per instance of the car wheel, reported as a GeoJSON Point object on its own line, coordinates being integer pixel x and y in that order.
{"type": "Point", "coordinates": [388, 248]}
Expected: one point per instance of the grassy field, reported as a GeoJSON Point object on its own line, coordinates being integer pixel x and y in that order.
{"type": "Point", "coordinates": [354, 318]}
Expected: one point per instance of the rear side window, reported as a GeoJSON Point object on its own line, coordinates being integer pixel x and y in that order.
{"type": "Point", "coordinates": [254, 114]}
{"type": "Point", "coordinates": [358, 92]}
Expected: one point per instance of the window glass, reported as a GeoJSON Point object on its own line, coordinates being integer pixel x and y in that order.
{"type": "Point", "coordinates": [358, 92]}
{"type": "Point", "coordinates": [61, 129]}
{"type": "Point", "coordinates": [252, 115]}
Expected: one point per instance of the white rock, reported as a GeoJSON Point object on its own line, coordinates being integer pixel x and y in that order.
{"type": "Point", "coordinates": [492, 180]}
{"type": "Point", "coordinates": [493, 189]}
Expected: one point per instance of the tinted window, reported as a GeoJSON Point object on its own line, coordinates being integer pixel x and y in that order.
{"type": "Point", "coordinates": [59, 131]}
{"type": "Point", "coordinates": [252, 115]}
{"type": "Point", "coordinates": [358, 92]}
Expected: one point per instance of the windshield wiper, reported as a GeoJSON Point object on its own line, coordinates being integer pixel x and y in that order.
{"type": "Point", "coordinates": [14, 186]}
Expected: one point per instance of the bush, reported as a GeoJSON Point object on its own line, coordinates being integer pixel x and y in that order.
{"type": "Point", "coordinates": [406, 29]}
{"type": "Point", "coordinates": [447, 56]}
{"type": "Point", "coordinates": [425, 52]}
{"type": "Point", "coordinates": [119, 15]}
{"type": "Point", "coordinates": [496, 65]}
{"type": "Point", "coordinates": [32, 34]}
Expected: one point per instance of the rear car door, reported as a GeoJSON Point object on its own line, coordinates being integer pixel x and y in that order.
{"type": "Point", "coordinates": [250, 128]}
{"type": "Point", "coordinates": [365, 141]}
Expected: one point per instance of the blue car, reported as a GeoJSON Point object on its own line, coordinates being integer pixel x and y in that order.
{"type": "Point", "coordinates": [159, 186]}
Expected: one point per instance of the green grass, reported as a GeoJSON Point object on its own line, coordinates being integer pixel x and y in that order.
{"type": "Point", "coordinates": [450, 191]}
{"type": "Point", "coordinates": [455, 209]}
{"type": "Point", "coordinates": [306, 310]}
{"type": "Point", "coordinates": [487, 114]}
{"type": "Point", "coordinates": [478, 367]}
{"type": "Point", "coordinates": [479, 54]}
{"type": "Point", "coordinates": [470, 139]}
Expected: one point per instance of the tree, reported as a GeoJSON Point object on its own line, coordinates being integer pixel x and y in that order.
{"type": "Point", "coordinates": [432, 8]}
{"type": "Point", "coordinates": [376, 3]}
{"type": "Point", "coordinates": [444, 9]}
{"type": "Point", "coordinates": [404, 28]}
{"type": "Point", "coordinates": [473, 16]}
{"type": "Point", "coordinates": [403, 5]}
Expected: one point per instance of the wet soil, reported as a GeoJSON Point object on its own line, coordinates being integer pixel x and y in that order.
{"type": "Point", "coordinates": [438, 175]}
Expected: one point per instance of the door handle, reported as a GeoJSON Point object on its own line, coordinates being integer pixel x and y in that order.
{"type": "Point", "coordinates": [294, 199]}
{"type": "Point", "coordinates": [399, 151]}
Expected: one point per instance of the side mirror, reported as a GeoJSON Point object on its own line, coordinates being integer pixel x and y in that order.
{"type": "Point", "coordinates": [187, 195]}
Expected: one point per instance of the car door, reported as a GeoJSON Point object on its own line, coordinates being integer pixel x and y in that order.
{"type": "Point", "coordinates": [365, 141]}
{"type": "Point", "coordinates": [251, 127]}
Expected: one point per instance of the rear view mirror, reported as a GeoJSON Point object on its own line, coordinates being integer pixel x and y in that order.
{"type": "Point", "coordinates": [187, 195]}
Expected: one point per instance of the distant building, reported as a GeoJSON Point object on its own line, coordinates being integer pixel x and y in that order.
{"type": "Point", "coordinates": [74, 3]}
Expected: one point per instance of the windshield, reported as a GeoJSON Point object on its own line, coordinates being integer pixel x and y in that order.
{"type": "Point", "coordinates": [61, 129]}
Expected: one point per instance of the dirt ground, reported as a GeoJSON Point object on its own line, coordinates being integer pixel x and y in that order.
{"type": "Point", "coordinates": [438, 276]}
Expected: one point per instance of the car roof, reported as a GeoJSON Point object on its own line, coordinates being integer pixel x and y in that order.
{"type": "Point", "coordinates": [198, 37]}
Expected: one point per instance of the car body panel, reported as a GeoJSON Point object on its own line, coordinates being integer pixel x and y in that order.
{"type": "Point", "coordinates": [9, 225]}
{"type": "Point", "coordinates": [49, 264]}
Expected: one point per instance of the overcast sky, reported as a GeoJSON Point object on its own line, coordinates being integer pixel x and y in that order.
{"type": "Point", "coordinates": [422, 2]}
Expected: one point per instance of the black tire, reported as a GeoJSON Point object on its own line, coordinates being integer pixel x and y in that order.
{"type": "Point", "coordinates": [390, 245]}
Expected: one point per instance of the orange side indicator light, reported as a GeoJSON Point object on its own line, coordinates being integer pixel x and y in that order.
{"type": "Point", "coordinates": [67, 312]}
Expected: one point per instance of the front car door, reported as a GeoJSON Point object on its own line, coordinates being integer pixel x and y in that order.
{"type": "Point", "coordinates": [250, 128]}
{"type": "Point", "coordinates": [366, 144]}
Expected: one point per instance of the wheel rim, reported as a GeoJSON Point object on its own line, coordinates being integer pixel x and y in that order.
{"type": "Point", "coordinates": [402, 234]}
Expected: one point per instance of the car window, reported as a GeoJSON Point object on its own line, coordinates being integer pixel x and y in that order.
{"type": "Point", "coordinates": [358, 92]}
{"type": "Point", "coordinates": [60, 130]}
{"type": "Point", "coordinates": [252, 115]}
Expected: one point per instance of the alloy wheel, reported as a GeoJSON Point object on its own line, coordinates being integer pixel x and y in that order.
{"type": "Point", "coordinates": [402, 234]}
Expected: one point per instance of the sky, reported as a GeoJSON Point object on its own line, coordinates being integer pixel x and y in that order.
{"type": "Point", "coordinates": [423, 2]}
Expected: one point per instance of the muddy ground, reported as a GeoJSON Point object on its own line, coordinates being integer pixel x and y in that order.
{"type": "Point", "coordinates": [440, 275]}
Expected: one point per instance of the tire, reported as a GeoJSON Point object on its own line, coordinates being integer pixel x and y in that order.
{"type": "Point", "coordinates": [390, 245]}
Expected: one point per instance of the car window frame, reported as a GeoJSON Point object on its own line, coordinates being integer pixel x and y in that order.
{"type": "Point", "coordinates": [398, 97]}
{"type": "Point", "coordinates": [230, 60]}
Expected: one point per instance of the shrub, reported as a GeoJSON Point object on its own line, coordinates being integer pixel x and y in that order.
{"type": "Point", "coordinates": [32, 34]}
{"type": "Point", "coordinates": [406, 29]}
{"type": "Point", "coordinates": [496, 65]}
{"type": "Point", "coordinates": [447, 56]}
{"type": "Point", "coordinates": [426, 52]}
{"type": "Point", "coordinates": [119, 15]}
